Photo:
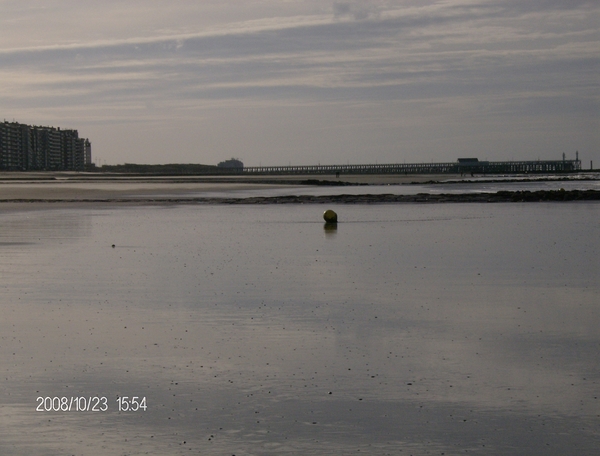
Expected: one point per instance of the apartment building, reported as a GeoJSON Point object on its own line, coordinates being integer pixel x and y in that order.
{"type": "Point", "coordinates": [37, 148]}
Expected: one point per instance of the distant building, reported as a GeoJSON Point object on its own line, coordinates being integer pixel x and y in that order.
{"type": "Point", "coordinates": [36, 148]}
{"type": "Point", "coordinates": [88, 152]}
{"type": "Point", "coordinates": [231, 163]}
{"type": "Point", "coordinates": [468, 161]}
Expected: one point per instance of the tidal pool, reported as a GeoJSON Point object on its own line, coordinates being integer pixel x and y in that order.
{"type": "Point", "coordinates": [256, 330]}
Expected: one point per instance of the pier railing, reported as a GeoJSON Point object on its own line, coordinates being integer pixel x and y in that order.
{"type": "Point", "coordinates": [482, 167]}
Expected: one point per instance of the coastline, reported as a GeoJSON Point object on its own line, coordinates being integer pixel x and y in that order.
{"type": "Point", "coordinates": [53, 190]}
{"type": "Point", "coordinates": [498, 197]}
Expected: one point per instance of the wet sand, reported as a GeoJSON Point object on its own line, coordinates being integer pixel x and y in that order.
{"type": "Point", "coordinates": [70, 188]}
{"type": "Point", "coordinates": [255, 330]}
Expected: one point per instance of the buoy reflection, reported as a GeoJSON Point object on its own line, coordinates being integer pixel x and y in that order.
{"type": "Point", "coordinates": [330, 228]}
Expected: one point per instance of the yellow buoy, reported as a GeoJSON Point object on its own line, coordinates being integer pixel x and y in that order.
{"type": "Point", "coordinates": [330, 216]}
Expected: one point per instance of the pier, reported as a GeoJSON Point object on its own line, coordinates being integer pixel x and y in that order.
{"type": "Point", "coordinates": [462, 166]}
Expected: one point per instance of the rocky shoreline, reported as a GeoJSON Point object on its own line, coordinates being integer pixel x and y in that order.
{"type": "Point", "coordinates": [498, 197]}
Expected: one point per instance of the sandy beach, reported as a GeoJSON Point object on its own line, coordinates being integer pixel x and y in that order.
{"type": "Point", "coordinates": [257, 330]}
{"type": "Point", "coordinates": [73, 187]}
{"type": "Point", "coordinates": [20, 191]}
{"type": "Point", "coordinates": [277, 333]}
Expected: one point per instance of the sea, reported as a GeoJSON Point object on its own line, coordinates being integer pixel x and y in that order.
{"type": "Point", "coordinates": [405, 329]}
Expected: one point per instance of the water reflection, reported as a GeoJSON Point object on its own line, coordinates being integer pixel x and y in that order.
{"type": "Point", "coordinates": [330, 228]}
{"type": "Point", "coordinates": [43, 227]}
{"type": "Point", "coordinates": [420, 329]}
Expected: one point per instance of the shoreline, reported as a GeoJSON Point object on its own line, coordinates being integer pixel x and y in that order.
{"type": "Point", "coordinates": [519, 196]}
{"type": "Point", "coordinates": [81, 190]}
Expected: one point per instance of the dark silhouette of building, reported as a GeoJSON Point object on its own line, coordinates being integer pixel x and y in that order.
{"type": "Point", "coordinates": [232, 163]}
{"type": "Point", "coordinates": [36, 148]}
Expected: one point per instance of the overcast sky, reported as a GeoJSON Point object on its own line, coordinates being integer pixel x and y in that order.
{"type": "Point", "coordinates": [307, 81]}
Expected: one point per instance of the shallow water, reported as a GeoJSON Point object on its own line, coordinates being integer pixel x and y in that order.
{"type": "Point", "coordinates": [476, 185]}
{"type": "Point", "coordinates": [409, 329]}
{"type": "Point", "coordinates": [182, 187]}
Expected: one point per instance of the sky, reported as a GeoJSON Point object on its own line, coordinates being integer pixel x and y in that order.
{"type": "Point", "coordinates": [307, 82]}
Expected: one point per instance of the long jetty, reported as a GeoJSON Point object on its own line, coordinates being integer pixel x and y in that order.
{"type": "Point", "coordinates": [474, 166]}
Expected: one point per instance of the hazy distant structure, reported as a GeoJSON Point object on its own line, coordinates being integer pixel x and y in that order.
{"type": "Point", "coordinates": [88, 152]}
{"type": "Point", "coordinates": [232, 163]}
{"type": "Point", "coordinates": [38, 148]}
{"type": "Point", "coordinates": [462, 165]}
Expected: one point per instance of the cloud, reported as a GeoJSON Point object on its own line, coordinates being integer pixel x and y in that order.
{"type": "Point", "coordinates": [435, 50]}
{"type": "Point", "coordinates": [357, 10]}
{"type": "Point", "coordinates": [341, 9]}
{"type": "Point", "coordinates": [498, 59]}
